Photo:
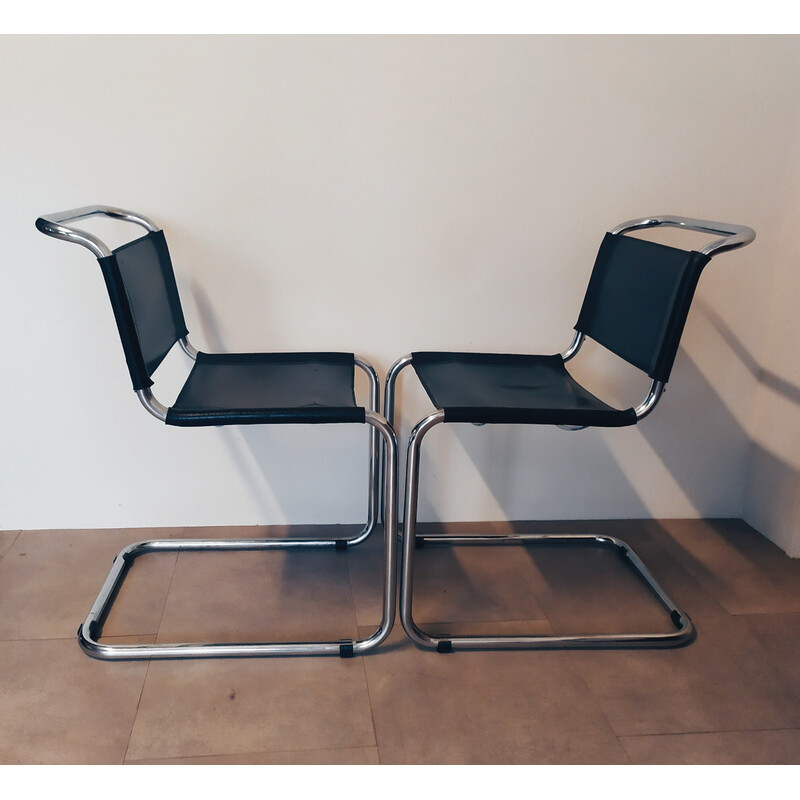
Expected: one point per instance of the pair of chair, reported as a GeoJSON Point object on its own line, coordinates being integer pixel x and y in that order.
{"type": "Point", "coordinates": [636, 305]}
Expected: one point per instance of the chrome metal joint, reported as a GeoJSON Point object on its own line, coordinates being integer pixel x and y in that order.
{"type": "Point", "coordinates": [649, 403]}
{"type": "Point", "coordinates": [158, 410]}
{"type": "Point", "coordinates": [575, 345]}
{"type": "Point", "coordinates": [188, 348]}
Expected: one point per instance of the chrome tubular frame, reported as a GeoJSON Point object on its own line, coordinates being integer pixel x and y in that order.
{"type": "Point", "coordinates": [649, 403]}
{"type": "Point", "coordinates": [53, 225]}
{"type": "Point", "coordinates": [374, 505]}
{"type": "Point", "coordinates": [157, 409]}
{"type": "Point", "coordinates": [188, 348]}
{"type": "Point", "coordinates": [382, 442]}
{"type": "Point", "coordinates": [391, 379]}
{"type": "Point", "coordinates": [574, 347]}
{"type": "Point", "coordinates": [684, 628]}
{"type": "Point", "coordinates": [374, 502]}
{"type": "Point", "coordinates": [89, 632]}
{"type": "Point", "coordinates": [733, 236]}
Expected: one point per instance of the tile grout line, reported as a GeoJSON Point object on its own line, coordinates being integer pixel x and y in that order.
{"type": "Point", "coordinates": [361, 658]}
{"type": "Point", "coordinates": [598, 706]}
{"type": "Point", "coordinates": [166, 596]}
{"type": "Point", "coordinates": [708, 732]}
{"type": "Point", "coordinates": [136, 712]}
{"type": "Point", "coordinates": [150, 661]}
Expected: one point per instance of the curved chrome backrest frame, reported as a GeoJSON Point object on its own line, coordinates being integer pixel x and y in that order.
{"type": "Point", "coordinates": [734, 236]}
{"type": "Point", "coordinates": [53, 225]}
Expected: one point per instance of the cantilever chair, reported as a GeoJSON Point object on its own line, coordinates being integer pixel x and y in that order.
{"type": "Point", "coordinates": [228, 389]}
{"type": "Point", "coordinates": [636, 305]}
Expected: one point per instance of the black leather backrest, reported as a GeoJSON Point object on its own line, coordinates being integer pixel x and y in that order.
{"type": "Point", "coordinates": [144, 295]}
{"type": "Point", "coordinates": [638, 299]}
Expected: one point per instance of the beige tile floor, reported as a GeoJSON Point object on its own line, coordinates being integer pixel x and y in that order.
{"type": "Point", "coordinates": [732, 696]}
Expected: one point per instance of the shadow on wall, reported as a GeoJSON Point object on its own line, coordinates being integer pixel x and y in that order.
{"type": "Point", "coordinates": [772, 490]}
{"type": "Point", "coordinates": [706, 450]}
{"type": "Point", "coordinates": [773, 499]}
{"type": "Point", "coordinates": [524, 467]}
{"type": "Point", "coordinates": [694, 435]}
{"type": "Point", "coordinates": [766, 378]}
{"type": "Point", "coordinates": [697, 438]}
{"type": "Point", "coordinates": [531, 472]}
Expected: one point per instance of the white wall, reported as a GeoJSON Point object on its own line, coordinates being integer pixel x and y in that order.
{"type": "Point", "coordinates": [772, 499]}
{"type": "Point", "coordinates": [386, 194]}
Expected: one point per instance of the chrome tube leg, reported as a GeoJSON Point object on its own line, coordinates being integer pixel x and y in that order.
{"type": "Point", "coordinates": [684, 629]}
{"type": "Point", "coordinates": [391, 385]}
{"type": "Point", "coordinates": [409, 529]}
{"type": "Point", "coordinates": [374, 501]}
{"type": "Point", "coordinates": [391, 381]}
{"type": "Point", "coordinates": [382, 428]}
{"type": "Point", "coordinates": [90, 631]}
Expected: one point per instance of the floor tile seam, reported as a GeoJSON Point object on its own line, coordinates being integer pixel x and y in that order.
{"type": "Point", "coordinates": [72, 637]}
{"type": "Point", "coordinates": [348, 566]}
{"type": "Point", "coordinates": [167, 593]}
{"type": "Point", "coordinates": [344, 748]}
{"type": "Point", "coordinates": [572, 657]}
{"type": "Point", "coordinates": [263, 751]}
{"type": "Point", "coordinates": [737, 614]}
{"type": "Point", "coordinates": [15, 536]}
{"type": "Point", "coordinates": [136, 711]}
{"type": "Point", "coordinates": [371, 710]}
{"type": "Point", "coordinates": [779, 729]}
{"type": "Point", "coordinates": [10, 545]}
{"type": "Point", "coordinates": [481, 620]}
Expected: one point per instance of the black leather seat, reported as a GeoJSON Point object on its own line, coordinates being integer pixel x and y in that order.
{"type": "Point", "coordinates": [262, 388]}
{"type": "Point", "coordinates": [514, 389]}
